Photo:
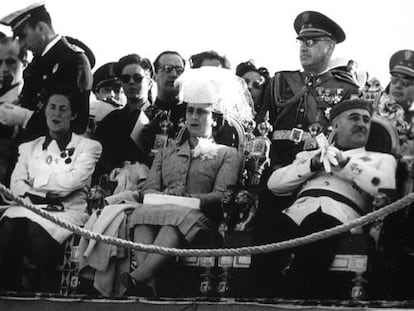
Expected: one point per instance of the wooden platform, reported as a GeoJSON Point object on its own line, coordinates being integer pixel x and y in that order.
{"type": "Point", "coordinates": [12, 302]}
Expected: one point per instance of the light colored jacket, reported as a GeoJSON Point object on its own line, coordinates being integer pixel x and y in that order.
{"type": "Point", "coordinates": [40, 171]}
{"type": "Point", "coordinates": [362, 177]}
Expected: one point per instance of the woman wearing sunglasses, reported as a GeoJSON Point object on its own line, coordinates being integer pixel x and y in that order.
{"type": "Point", "coordinates": [53, 171]}
{"type": "Point", "coordinates": [256, 80]}
{"type": "Point", "coordinates": [120, 131]}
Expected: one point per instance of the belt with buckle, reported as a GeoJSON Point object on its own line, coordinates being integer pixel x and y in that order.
{"type": "Point", "coordinates": [296, 135]}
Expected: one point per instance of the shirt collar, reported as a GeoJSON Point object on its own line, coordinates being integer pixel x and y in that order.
{"type": "Point", "coordinates": [62, 142]}
{"type": "Point", "coordinates": [51, 44]}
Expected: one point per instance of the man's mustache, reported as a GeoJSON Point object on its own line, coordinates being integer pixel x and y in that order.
{"type": "Point", "coordinates": [358, 129]}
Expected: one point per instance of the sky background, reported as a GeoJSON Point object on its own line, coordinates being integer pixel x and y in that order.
{"type": "Point", "coordinates": [261, 30]}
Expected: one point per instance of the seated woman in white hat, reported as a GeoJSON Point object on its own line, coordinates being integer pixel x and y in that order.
{"type": "Point", "coordinates": [195, 166]}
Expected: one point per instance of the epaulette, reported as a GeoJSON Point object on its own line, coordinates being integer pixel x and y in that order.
{"type": "Point", "coordinates": [75, 48]}
{"type": "Point", "coordinates": [344, 77]}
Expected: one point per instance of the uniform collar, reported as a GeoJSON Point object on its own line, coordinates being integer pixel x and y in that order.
{"type": "Point", "coordinates": [51, 44]}
{"type": "Point", "coordinates": [355, 151]}
{"type": "Point", "coordinates": [62, 142]}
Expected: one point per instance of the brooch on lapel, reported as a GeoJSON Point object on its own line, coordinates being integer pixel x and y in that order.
{"type": "Point", "coordinates": [205, 149]}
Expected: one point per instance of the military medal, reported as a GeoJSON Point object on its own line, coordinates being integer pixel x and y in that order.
{"type": "Point", "coordinates": [67, 155]}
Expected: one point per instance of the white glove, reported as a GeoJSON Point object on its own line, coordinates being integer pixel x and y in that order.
{"type": "Point", "coordinates": [14, 115]}
{"type": "Point", "coordinates": [330, 155]}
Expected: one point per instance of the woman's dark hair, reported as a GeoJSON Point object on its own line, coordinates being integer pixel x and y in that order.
{"type": "Point", "coordinates": [67, 92]}
{"type": "Point", "coordinates": [133, 59]}
{"type": "Point", "coordinates": [242, 68]}
{"type": "Point", "coordinates": [197, 59]}
{"type": "Point", "coordinates": [248, 66]}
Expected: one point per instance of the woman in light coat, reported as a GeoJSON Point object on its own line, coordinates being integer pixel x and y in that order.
{"type": "Point", "coordinates": [53, 171]}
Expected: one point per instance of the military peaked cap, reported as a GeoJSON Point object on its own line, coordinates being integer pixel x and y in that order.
{"type": "Point", "coordinates": [311, 24]}
{"type": "Point", "coordinates": [403, 62]}
{"type": "Point", "coordinates": [105, 76]}
{"type": "Point", "coordinates": [18, 19]}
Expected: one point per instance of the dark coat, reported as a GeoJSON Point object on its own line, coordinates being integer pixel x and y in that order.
{"type": "Point", "coordinates": [114, 133]}
{"type": "Point", "coordinates": [297, 100]}
{"type": "Point", "coordinates": [63, 65]}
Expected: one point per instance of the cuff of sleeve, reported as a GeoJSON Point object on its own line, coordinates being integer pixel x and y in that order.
{"type": "Point", "coordinates": [29, 114]}
{"type": "Point", "coordinates": [38, 193]}
{"type": "Point", "coordinates": [305, 167]}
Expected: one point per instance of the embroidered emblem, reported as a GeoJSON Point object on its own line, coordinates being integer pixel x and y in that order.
{"type": "Point", "coordinates": [305, 16]}
{"type": "Point", "coordinates": [407, 54]}
{"type": "Point", "coordinates": [356, 169]}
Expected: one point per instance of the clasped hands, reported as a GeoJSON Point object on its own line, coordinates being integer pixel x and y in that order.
{"type": "Point", "coordinates": [177, 191]}
{"type": "Point", "coordinates": [327, 156]}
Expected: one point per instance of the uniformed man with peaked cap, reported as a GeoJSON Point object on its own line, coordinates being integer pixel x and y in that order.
{"type": "Point", "coordinates": [401, 86]}
{"type": "Point", "coordinates": [55, 62]}
{"type": "Point", "coordinates": [108, 92]}
{"type": "Point", "coordinates": [400, 91]}
{"type": "Point", "coordinates": [297, 103]}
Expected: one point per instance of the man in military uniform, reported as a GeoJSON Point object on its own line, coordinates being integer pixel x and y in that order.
{"type": "Point", "coordinates": [55, 61]}
{"type": "Point", "coordinates": [298, 103]}
{"type": "Point", "coordinates": [401, 87]}
{"type": "Point", "coordinates": [108, 92]}
{"type": "Point", "coordinates": [328, 196]}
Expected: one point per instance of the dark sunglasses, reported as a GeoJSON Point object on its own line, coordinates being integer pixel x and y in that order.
{"type": "Point", "coordinates": [8, 61]}
{"type": "Point", "coordinates": [168, 69]}
{"type": "Point", "coordinates": [404, 81]}
{"type": "Point", "coordinates": [310, 42]}
{"type": "Point", "coordinates": [137, 78]}
{"type": "Point", "coordinates": [256, 84]}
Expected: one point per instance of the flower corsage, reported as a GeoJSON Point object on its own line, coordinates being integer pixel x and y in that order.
{"type": "Point", "coordinates": [206, 149]}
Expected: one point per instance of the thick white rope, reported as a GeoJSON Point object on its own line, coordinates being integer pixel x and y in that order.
{"type": "Point", "coordinates": [242, 251]}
